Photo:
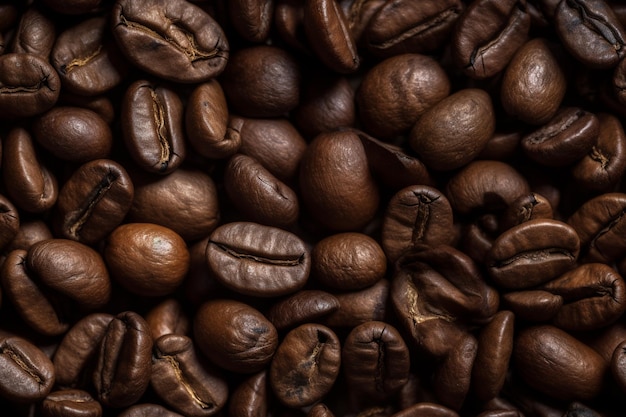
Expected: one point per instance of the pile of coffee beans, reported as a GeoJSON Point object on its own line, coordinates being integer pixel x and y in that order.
{"type": "Point", "coordinates": [312, 208]}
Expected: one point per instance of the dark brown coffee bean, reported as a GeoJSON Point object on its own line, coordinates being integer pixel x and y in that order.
{"type": "Point", "coordinates": [123, 365]}
{"type": "Point", "coordinates": [599, 225]}
{"type": "Point", "coordinates": [35, 33]}
{"type": "Point", "coordinates": [384, 108]}
{"type": "Point", "coordinates": [452, 378]}
{"type": "Point", "coordinates": [357, 307]}
{"type": "Point", "coordinates": [401, 26]}
{"type": "Point", "coordinates": [147, 259]}
{"type": "Point", "coordinates": [148, 410]}
{"type": "Point", "coordinates": [488, 34]}
{"type": "Point", "coordinates": [166, 318]}
{"type": "Point", "coordinates": [77, 349]}
{"type": "Point", "coordinates": [190, 193]}
{"type": "Point", "coordinates": [594, 296]}
{"type": "Point", "coordinates": [92, 66]}
{"type": "Point", "coordinates": [533, 84]}
{"type": "Point", "coordinates": [152, 122]}
{"type": "Point", "coordinates": [619, 81]}
{"type": "Point", "coordinates": [495, 346]}
{"type": "Point", "coordinates": [556, 364]}
{"type": "Point", "coordinates": [426, 409]}
{"type": "Point", "coordinates": [302, 307]}
{"type": "Point", "coordinates": [73, 134]}
{"type": "Point", "coordinates": [305, 366]}
{"type": "Point", "coordinates": [9, 221]}
{"type": "Point", "coordinates": [250, 397]}
{"type": "Point", "coordinates": [70, 403]}
{"type": "Point", "coordinates": [565, 139]}
{"type": "Point", "coordinates": [29, 233]}
{"type": "Point", "coordinates": [416, 215]}
{"type": "Point", "coordinates": [29, 85]}
{"type": "Point", "coordinates": [320, 410]}
{"type": "Point", "coordinates": [326, 28]}
{"type": "Point", "coordinates": [183, 380]}
{"type": "Point", "coordinates": [258, 260]}
{"type": "Point", "coordinates": [102, 105]}
{"type": "Point", "coordinates": [26, 373]}
{"type": "Point", "coordinates": [289, 23]}
{"type": "Point", "coordinates": [252, 19]}
{"type": "Point", "coordinates": [258, 195]}
{"type": "Point", "coordinates": [533, 305]}
{"type": "Point", "coordinates": [206, 122]}
{"type": "Point", "coordinates": [29, 183]}
{"type": "Point", "coordinates": [501, 146]}
{"type": "Point", "coordinates": [273, 74]}
{"type": "Point", "coordinates": [591, 32]}
{"type": "Point", "coordinates": [93, 201]}
{"type": "Point", "coordinates": [527, 207]}
{"type": "Point", "coordinates": [602, 168]}
{"type": "Point", "coordinates": [187, 42]}
{"type": "Point", "coordinates": [336, 185]}
{"type": "Point", "coordinates": [533, 253]}
{"type": "Point", "coordinates": [348, 261]}
{"type": "Point", "coordinates": [234, 336]}
{"type": "Point", "coordinates": [618, 366]}
{"type": "Point", "coordinates": [375, 360]}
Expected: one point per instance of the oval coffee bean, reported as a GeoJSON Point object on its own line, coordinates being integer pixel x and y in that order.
{"type": "Point", "coordinates": [594, 296]}
{"type": "Point", "coordinates": [234, 335]}
{"type": "Point", "coordinates": [258, 260]}
{"type": "Point", "coordinates": [356, 307]}
{"type": "Point", "coordinates": [188, 43]}
{"type": "Point", "coordinates": [452, 378]}
{"type": "Point", "coordinates": [9, 221]}
{"type": "Point", "coordinates": [93, 201]}
{"type": "Point", "coordinates": [29, 85]}
{"type": "Point", "coordinates": [148, 410]}
{"type": "Point", "coordinates": [455, 130]}
{"type": "Point", "coordinates": [305, 366]}
{"type": "Point", "coordinates": [251, 397]}
{"type": "Point", "coordinates": [527, 207]}
{"type": "Point", "coordinates": [252, 18]}
{"type": "Point", "coordinates": [147, 259]}
{"type": "Point", "coordinates": [533, 305]}
{"type": "Point", "coordinates": [426, 409]}
{"type": "Point", "coordinates": [533, 253]}
{"type": "Point", "coordinates": [70, 403]}
{"type": "Point", "coordinates": [166, 318]}
{"type": "Point", "coordinates": [618, 365]}
{"type": "Point", "coordinates": [152, 122]}
{"type": "Point", "coordinates": [26, 373]}
{"type": "Point", "coordinates": [123, 365]}
{"type": "Point", "coordinates": [183, 381]}
{"type": "Point", "coordinates": [302, 307]}
{"type": "Point", "coordinates": [375, 360]}
{"type": "Point", "coordinates": [35, 33]}
{"type": "Point", "coordinates": [558, 365]}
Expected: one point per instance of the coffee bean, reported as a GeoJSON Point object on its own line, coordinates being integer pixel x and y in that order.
{"type": "Point", "coordinates": [71, 403]}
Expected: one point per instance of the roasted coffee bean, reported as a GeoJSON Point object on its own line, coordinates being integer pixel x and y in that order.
{"type": "Point", "coordinates": [273, 74]}
{"type": "Point", "coordinates": [187, 42]}
{"type": "Point", "coordinates": [401, 26]}
{"type": "Point", "coordinates": [123, 365]}
{"type": "Point", "coordinates": [152, 122]}
{"type": "Point", "coordinates": [29, 183]}
{"type": "Point", "coordinates": [259, 195]}
{"type": "Point", "coordinates": [99, 104]}
{"type": "Point", "coordinates": [78, 348]}
{"type": "Point", "coordinates": [74, 134]}
{"type": "Point", "coordinates": [35, 33]}
{"type": "Point", "coordinates": [258, 260]}
{"type": "Point", "coordinates": [93, 201]}
{"type": "Point", "coordinates": [250, 397]}
{"type": "Point", "coordinates": [594, 296]}
{"type": "Point", "coordinates": [425, 409]}
{"type": "Point", "coordinates": [495, 346]}
{"type": "Point", "coordinates": [148, 410]}
{"type": "Point", "coordinates": [357, 307]}
{"type": "Point", "coordinates": [190, 193]}
{"type": "Point", "coordinates": [10, 221]}
{"type": "Point", "coordinates": [234, 335]}
{"type": "Point", "coordinates": [618, 366]}
{"type": "Point", "coordinates": [533, 305]}
{"type": "Point", "coordinates": [183, 380]}
{"type": "Point", "coordinates": [338, 205]}
{"type": "Point", "coordinates": [533, 84]}
{"type": "Point", "coordinates": [167, 317]}
{"type": "Point", "coordinates": [252, 19]}
{"type": "Point", "coordinates": [488, 34]}
{"type": "Point", "coordinates": [147, 259]}
{"type": "Point", "coordinates": [565, 139]}
{"type": "Point", "coordinates": [289, 23]}
{"type": "Point", "coordinates": [384, 108]}
{"type": "Point", "coordinates": [26, 373]}
{"type": "Point", "coordinates": [452, 378]}
{"type": "Point", "coordinates": [70, 403]}
{"type": "Point", "coordinates": [305, 365]}
{"type": "Point", "coordinates": [501, 146]}
{"type": "Point", "coordinates": [591, 32]}
{"type": "Point", "coordinates": [206, 122]}
{"type": "Point", "coordinates": [320, 410]}
{"type": "Point", "coordinates": [375, 359]}
{"type": "Point", "coordinates": [29, 233]}
{"type": "Point", "coordinates": [416, 215]}
{"type": "Point", "coordinates": [527, 207]}
{"type": "Point", "coordinates": [302, 307]}
{"type": "Point", "coordinates": [326, 28]}
{"type": "Point", "coordinates": [29, 85]}
{"type": "Point", "coordinates": [348, 261]}
{"type": "Point", "coordinates": [533, 253]}
{"type": "Point", "coordinates": [556, 364]}
{"type": "Point", "coordinates": [92, 66]}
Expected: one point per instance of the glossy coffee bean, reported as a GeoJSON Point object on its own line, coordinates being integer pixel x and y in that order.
{"type": "Point", "coordinates": [147, 259]}
{"type": "Point", "coordinates": [148, 410]}
{"type": "Point", "coordinates": [533, 305]}
{"type": "Point", "coordinates": [618, 365]}
{"type": "Point", "coordinates": [70, 403]}
{"type": "Point", "coordinates": [252, 18]}
{"type": "Point", "coordinates": [304, 306]}
{"type": "Point", "coordinates": [35, 33]}
{"type": "Point", "coordinates": [424, 409]}
{"type": "Point", "coordinates": [251, 397]}
{"type": "Point", "coordinates": [258, 260]}
{"type": "Point", "coordinates": [167, 317]}
{"type": "Point", "coordinates": [452, 378]}
{"type": "Point", "coordinates": [305, 365]}
{"type": "Point", "coordinates": [357, 307]}
{"type": "Point", "coordinates": [527, 207]}
{"type": "Point", "coordinates": [10, 221]}
{"type": "Point", "coordinates": [234, 336]}
{"type": "Point", "coordinates": [187, 41]}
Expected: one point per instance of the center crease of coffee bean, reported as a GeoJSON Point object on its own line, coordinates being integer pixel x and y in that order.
{"type": "Point", "coordinates": [79, 62]}
{"type": "Point", "coordinates": [289, 261]}
{"type": "Point", "coordinates": [534, 255]}
{"type": "Point", "coordinates": [94, 198]}
{"type": "Point", "coordinates": [180, 377]}
{"type": "Point", "coordinates": [15, 357]}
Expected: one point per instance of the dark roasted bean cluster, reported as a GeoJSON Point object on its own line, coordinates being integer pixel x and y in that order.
{"type": "Point", "coordinates": [312, 208]}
